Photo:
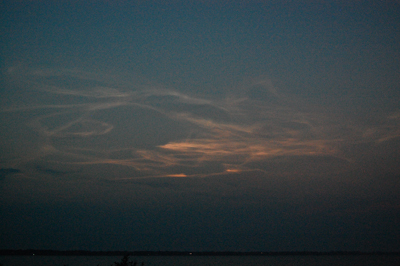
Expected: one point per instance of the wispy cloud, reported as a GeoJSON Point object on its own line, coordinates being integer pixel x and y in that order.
{"type": "Point", "coordinates": [235, 132]}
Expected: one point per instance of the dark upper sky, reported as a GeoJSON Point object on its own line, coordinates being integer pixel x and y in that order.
{"type": "Point", "coordinates": [200, 125]}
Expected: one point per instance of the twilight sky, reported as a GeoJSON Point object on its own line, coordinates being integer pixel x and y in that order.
{"type": "Point", "coordinates": [200, 125]}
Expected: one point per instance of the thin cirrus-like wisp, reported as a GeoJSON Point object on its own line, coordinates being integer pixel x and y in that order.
{"type": "Point", "coordinates": [160, 132]}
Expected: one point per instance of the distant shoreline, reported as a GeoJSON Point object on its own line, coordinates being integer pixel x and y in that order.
{"type": "Point", "coordinates": [36, 252]}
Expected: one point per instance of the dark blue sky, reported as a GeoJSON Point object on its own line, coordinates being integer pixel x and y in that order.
{"type": "Point", "coordinates": [200, 125]}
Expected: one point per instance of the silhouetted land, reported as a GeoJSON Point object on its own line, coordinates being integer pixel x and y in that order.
{"type": "Point", "coordinates": [36, 252]}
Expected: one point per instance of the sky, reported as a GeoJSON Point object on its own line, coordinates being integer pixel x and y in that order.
{"type": "Point", "coordinates": [200, 125]}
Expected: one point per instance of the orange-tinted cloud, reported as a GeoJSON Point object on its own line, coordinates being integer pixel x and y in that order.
{"type": "Point", "coordinates": [234, 132]}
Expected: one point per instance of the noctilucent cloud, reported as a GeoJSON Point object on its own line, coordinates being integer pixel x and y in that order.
{"type": "Point", "coordinates": [200, 125]}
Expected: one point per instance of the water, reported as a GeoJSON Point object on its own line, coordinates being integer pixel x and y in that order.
{"type": "Point", "coordinates": [362, 260]}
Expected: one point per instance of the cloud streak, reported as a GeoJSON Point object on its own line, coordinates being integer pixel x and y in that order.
{"type": "Point", "coordinates": [226, 135]}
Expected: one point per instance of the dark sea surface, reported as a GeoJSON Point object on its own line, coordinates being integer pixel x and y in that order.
{"type": "Point", "coordinates": [361, 260]}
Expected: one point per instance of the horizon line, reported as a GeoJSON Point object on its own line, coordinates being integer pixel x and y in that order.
{"type": "Point", "coordinates": [52, 252]}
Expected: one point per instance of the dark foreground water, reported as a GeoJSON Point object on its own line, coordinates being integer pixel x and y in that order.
{"type": "Point", "coordinates": [362, 260]}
